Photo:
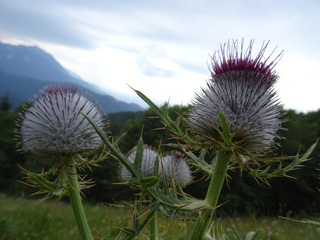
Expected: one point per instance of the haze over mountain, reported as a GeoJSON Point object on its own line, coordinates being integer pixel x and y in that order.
{"type": "Point", "coordinates": [24, 70]}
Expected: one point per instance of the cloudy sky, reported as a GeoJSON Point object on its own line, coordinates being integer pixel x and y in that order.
{"type": "Point", "coordinates": [163, 48]}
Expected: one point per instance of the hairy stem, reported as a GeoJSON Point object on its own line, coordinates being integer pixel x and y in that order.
{"type": "Point", "coordinates": [76, 202]}
{"type": "Point", "coordinates": [204, 220]}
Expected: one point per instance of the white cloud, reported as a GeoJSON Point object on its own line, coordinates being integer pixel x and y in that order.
{"type": "Point", "coordinates": [299, 82]}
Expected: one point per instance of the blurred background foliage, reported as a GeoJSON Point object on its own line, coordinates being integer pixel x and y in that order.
{"type": "Point", "coordinates": [242, 195]}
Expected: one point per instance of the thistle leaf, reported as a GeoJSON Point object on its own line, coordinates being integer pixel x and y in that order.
{"type": "Point", "coordinates": [282, 171]}
{"type": "Point", "coordinates": [225, 134]}
{"type": "Point", "coordinates": [148, 181]}
{"type": "Point", "coordinates": [138, 157]}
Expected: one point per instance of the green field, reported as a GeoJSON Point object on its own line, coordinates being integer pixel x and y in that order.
{"type": "Point", "coordinates": [33, 219]}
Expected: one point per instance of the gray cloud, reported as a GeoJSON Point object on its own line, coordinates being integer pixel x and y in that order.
{"type": "Point", "coordinates": [149, 69]}
{"type": "Point", "coordinates": [203, 69]}
{"type": "Point", "coordinates": [84, 24]}
{"type": "Point", "coordinates": [43, 22]}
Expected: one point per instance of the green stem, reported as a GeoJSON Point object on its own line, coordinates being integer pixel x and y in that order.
{"type": "Point", "coordinates": [201, 226]}
{"type": "Point", "coordinates": [154, 234]}
{"type": "Point", "coordinates": [76, 202]}
{"type": "Point", "coordinates": [217, 179]}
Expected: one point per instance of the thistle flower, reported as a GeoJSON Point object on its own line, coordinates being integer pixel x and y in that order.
{"type": "Point", "coordinates": [175, 167]}
{"type": "Point", "coordinates": [149, 158]}
{"type": "Point", "coordinates": [53, 123]}
{"type": "Point", "coordinates": [241, 87]}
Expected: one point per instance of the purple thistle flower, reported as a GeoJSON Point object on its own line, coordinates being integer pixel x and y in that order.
{"type": "Point", "coordinates": [53, 123]}
{"type": "Point", "coordinates": [241, 87]}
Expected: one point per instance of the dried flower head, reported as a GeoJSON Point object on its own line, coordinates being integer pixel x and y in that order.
{"type": "Point", "coordinates": [241, 87]}
{"type": "Point", "coordinates": [175, 167]}
{"type": "Point", "coordinates": [54, 124]}
{"type": "Point", "coordinates": [149, 157]}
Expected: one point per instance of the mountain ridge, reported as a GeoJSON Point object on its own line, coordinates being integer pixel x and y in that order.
{"type": "Point", "coordinates": [24, 70]}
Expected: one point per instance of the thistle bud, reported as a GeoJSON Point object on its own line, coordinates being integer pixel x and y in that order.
{"type": "Point", "coordinates": [54, 124]}
{"type": "Point", "coordinates": [175, 167]}
{"type": "Point", "coordinates": [241, 87]}
{"type": "Point", "coordinates": [149, 157]}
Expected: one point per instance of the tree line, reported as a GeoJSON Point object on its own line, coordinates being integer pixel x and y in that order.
{"type": "Point", "coordinates": [242, 195]}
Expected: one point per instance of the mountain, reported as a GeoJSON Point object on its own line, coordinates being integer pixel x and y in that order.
{"type": "Point", "coordinates": [24, 70]}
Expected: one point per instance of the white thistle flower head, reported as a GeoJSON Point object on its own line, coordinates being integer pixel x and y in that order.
{"type": "Point", "coordinates": [241, 87]}
{"type": "Point", "coordinates": [149, 157]}
{"type": "Point", "coordinates": [54, 124]}
{"type": "Point", "coordinates": [175, 167]}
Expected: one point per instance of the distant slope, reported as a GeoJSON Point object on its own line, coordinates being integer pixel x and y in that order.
{"type": "Point", "coordinates": [19, 89]}
{"type": "Point", "coordinates": [25, 70]}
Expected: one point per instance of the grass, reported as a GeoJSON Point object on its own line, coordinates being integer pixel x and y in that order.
{"type": "Point", "coordinates": [30, 219]}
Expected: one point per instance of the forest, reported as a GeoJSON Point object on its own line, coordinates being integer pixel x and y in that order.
{"type": "Point", "coordinates": [290, 196]}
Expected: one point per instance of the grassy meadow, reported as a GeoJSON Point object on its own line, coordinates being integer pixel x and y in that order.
{"type": "Point", "coordinates": [49, 220]}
